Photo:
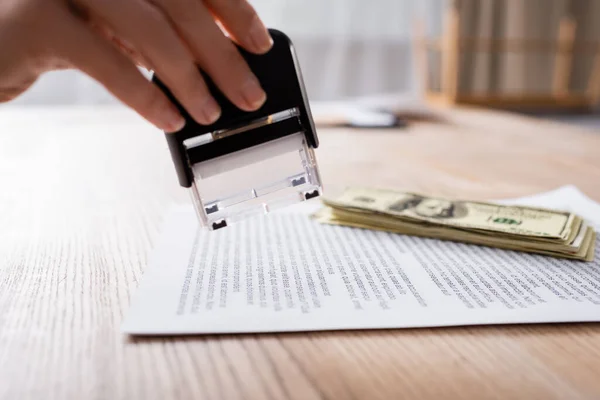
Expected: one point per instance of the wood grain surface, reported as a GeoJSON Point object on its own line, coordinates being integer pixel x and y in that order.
{"type": "Point", "coordinates": [82, 197]}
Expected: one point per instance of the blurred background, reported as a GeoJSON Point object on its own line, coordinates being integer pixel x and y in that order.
{"type": "Point", "coordinates": [538, 56]}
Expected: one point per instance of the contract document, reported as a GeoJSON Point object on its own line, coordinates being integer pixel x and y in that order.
{"type": "Point", "coordinates": [286, 272]}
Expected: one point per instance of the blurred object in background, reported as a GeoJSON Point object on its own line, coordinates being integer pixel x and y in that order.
{"type": "Point", "coordinates": [500, 53]}
{"type": "Point", "coordinates": [347, 48]}
{"type": "Point", "coordinates": [534, 54]}
{"type": "Point", "coordinates": [351, 48]}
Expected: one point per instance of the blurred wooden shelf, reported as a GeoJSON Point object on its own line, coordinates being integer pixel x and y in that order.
{"type": "Point", "coordinates": [452, 46]}
{"type": "Point", "coordinates": [513, 101]}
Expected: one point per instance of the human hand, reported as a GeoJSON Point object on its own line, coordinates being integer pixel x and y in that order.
{"type": "Point", "coordinates": [107, 38]}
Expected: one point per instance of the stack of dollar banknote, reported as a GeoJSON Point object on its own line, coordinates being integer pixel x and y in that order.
{"type": "Point", "coordinates": [549, 232]}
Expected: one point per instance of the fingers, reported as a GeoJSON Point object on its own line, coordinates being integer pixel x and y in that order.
{"type": "Point", "coordinates": [12, 92]}
{"type": "Point", "coordinates": [243, 24]}
{"type": "Point", "coordinates": [102, 61]}
{"type": "Point", "coordinates": [121, 44]}
{"type": "Point", "coordinates": [175, 36]}
{"type": "Point", "coordinates": [150, 33]}
{"type": "Point", "coordinates": [215, 53]}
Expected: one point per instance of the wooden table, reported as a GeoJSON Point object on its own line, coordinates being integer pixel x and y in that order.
{"type": "Point", "coordinates": [82, 196]}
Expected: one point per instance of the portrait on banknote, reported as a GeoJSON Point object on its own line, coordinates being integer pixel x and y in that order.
{"type": "Point", "coordinates": [430, 207]}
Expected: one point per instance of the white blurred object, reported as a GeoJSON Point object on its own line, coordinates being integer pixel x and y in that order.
{"type": "Point", "coordinates": [347, 48]}
{"type": "Point", "coordinates": [350, 48]}
{"type": "Point", "coordinates": [351, 113]}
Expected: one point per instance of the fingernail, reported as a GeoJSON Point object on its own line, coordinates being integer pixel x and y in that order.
{"type": "Point", "coordinates": [173, 120]}
{"type": "Point", "coordinates": [254, 95]}
{"type": "Point", "coordinates": [211, 111]}
{"type": "Point", "coordinates": [259, 36]}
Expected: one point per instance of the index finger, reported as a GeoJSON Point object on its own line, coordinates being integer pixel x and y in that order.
{"type": "Point", "coordinates": [243, 24]}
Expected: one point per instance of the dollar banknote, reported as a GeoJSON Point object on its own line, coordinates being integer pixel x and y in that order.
{"type": "Point", "coordinates": [529, 229]}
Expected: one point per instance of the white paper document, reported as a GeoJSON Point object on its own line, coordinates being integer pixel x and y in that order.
{"type": "Point", "coordinates": [285, 272]}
